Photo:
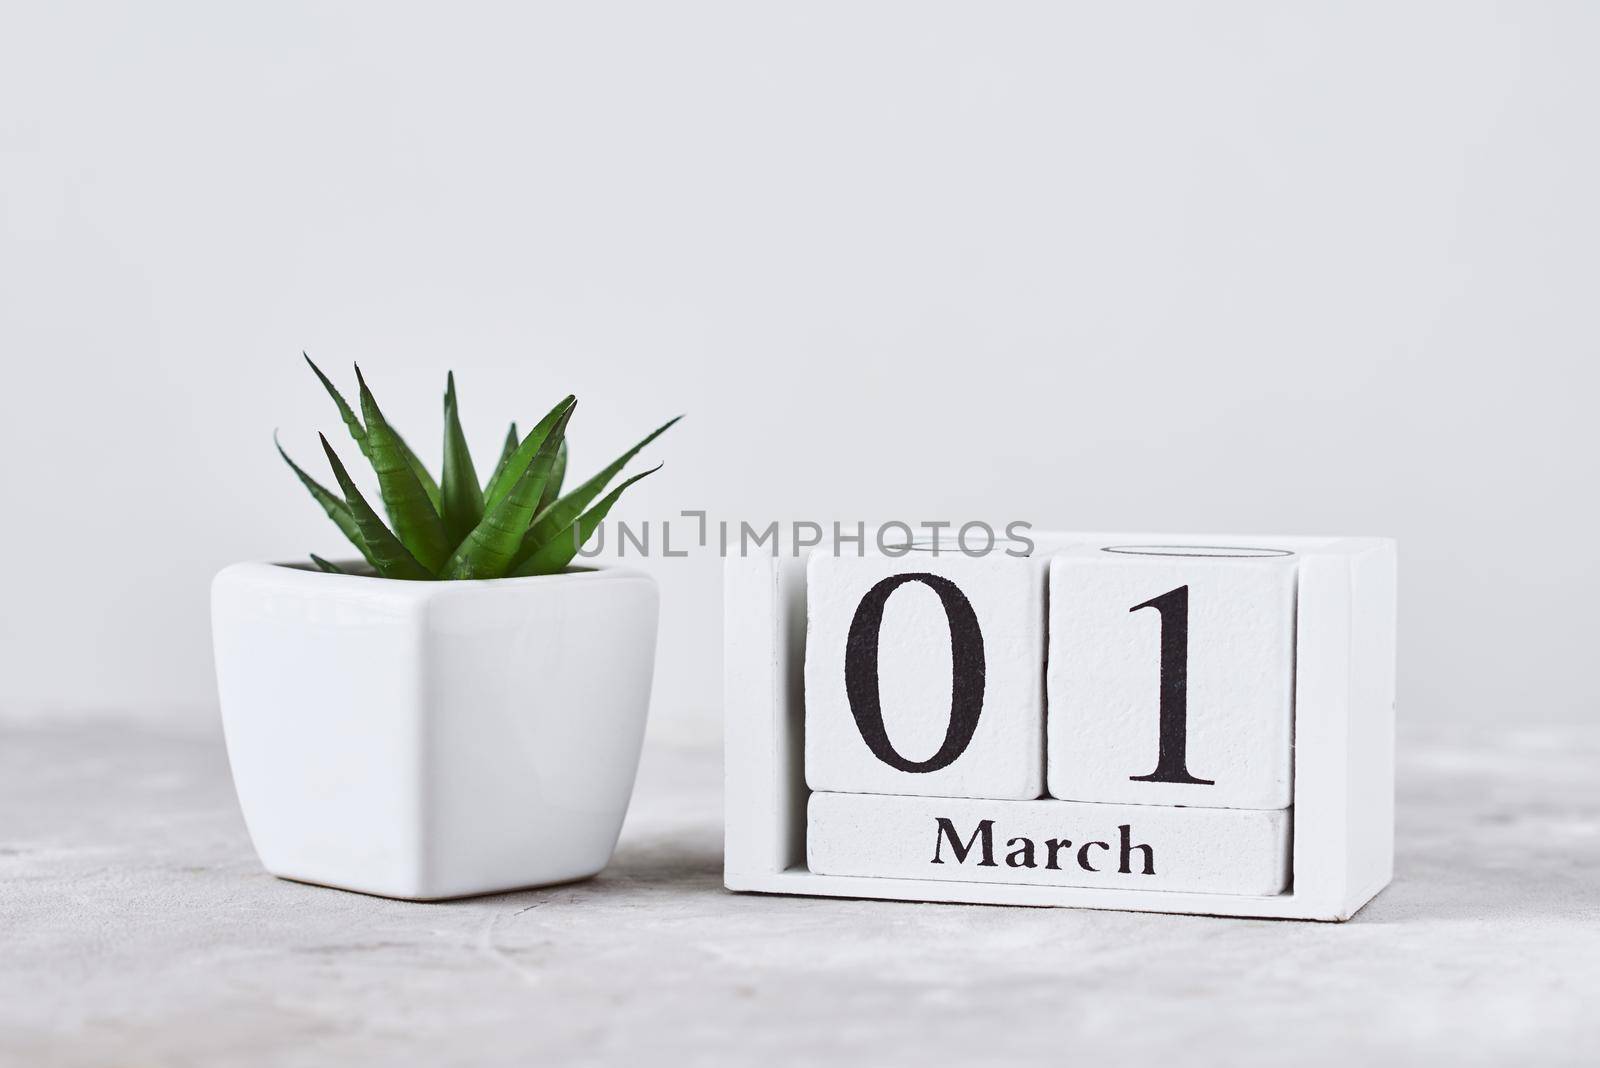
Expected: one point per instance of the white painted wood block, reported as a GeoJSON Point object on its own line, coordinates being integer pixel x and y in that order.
{"type": "Point", "coordinates": [923, 674]}
{"type": "Point", "coordinates": [1171, 675]}
{"type": "Point", "coordinates": [1050, 843]}
{"type": "Point", "coordinates": [1342, 846]}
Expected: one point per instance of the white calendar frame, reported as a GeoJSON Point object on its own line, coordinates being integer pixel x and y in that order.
{"type": "Point", "coordinates": [1343, 849]}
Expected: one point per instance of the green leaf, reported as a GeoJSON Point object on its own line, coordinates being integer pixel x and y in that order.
{"type": "Point", "coordinates": [488, 550]}
{"type": "Point", "coordinates": [357, 431]}
{"type": "Point", "coordinates": [328, 566]}
{"type": "Point", "coordinates": [415, 522]}
{"type": "Point", "coordinates": [336, 509]}
{"type": "Point", "coordinates": [506, 452]}
{"type": "Point", "coordinates": [386, 552]}
{"type": "Point", "coordinates": [514, 468]}
{"type": "Point", "coordinates": [558, 475]}
{"type": "Point", "coordinates": [564, 512]}
{"type": "Point", "coordinates": [459, 492]}
{"type": "Point", "coordinates": [557, 553]}
{"type": "Point", "coordinates": [429, 486]}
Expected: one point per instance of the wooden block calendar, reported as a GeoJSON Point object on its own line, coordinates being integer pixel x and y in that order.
{"type": "Point", "coordinates": [1149, 722]}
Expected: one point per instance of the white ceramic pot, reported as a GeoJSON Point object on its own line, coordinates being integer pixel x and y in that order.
{"type": "Point", "coordinates": [429, 740]}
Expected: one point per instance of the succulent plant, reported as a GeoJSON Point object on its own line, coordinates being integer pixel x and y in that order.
{"type": "Point", "coordinates": [517, 523]}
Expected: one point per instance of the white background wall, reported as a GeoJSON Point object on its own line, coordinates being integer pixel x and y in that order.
{"type": "Point", "coordinates": [1310, 268]}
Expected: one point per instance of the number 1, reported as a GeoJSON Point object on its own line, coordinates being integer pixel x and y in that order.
{"type": "Point", "coordinates": [1172, 764]}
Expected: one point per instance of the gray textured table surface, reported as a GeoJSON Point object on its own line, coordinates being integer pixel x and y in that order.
{"type": "Point", "coordinates": [137, 929]}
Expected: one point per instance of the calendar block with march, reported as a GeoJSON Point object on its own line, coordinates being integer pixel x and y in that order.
{"type": "Point", "coordinates": [1171, 675]}
{"type": "Point", "coordinates": [924, 674]}
{"type": "Point", "coordinates": [1050, 843]}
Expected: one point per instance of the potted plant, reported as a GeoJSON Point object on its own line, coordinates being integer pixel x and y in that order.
{"type": "Point", "coordinates": [458, 711]}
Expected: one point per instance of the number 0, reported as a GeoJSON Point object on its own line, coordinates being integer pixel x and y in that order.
{"type": "Point", "coordinates": [966, 672]}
